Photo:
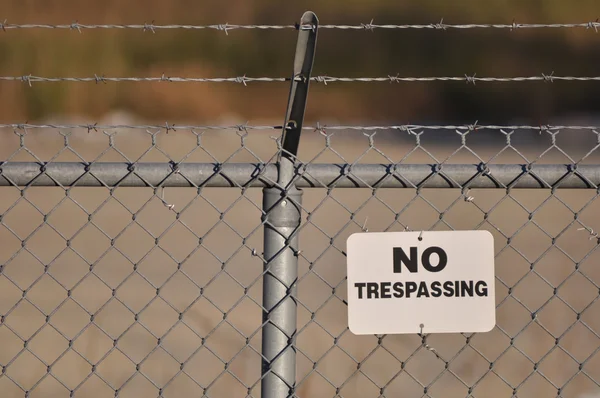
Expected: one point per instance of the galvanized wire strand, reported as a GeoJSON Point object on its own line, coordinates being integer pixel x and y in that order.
{"type": "Point", "coordinates": [102, 79]}
{"type": "Point", "coordinates": [226, 27]}
{"type": "Point", "coordinates": [318, 127]}
{"type": "Point", "coordinates": [29, 79]}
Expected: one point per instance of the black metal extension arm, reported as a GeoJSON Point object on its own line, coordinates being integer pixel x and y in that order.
{"type": "Point", "coordinates": [294, 117]}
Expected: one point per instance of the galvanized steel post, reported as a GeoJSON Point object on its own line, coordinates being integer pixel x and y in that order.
{"type": "Point", "coordinates": [279, 291]}
{"type": "Point", "coordinates": [282, 218]}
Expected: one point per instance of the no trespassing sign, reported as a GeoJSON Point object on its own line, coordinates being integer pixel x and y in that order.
{"type": "Point", "coordinates": [421, 282]}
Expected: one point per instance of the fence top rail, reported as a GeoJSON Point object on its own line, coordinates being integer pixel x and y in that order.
{"type": "Point", "coordinates": [226, 27]}
{"type": "Point", "coordinates": [315, 175]}
{"type": "Point", "coordinates": [318, 127]}
{"type": "Point", "coordinates": [29, 79]}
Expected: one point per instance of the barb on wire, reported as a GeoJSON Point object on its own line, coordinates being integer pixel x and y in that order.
{"type": "Point", "coordinates": [29, 79]}
{"type": "Point", "coordinates": [152, 27]}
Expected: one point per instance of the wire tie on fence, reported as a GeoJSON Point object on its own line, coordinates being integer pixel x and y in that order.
{"type": "Point", "coordinates": [590, 231]}
{"type": "Point", "coordinates": [427, 346]}
{"type": "Point", "coordinates": [468, 198]}
{"type": "Point", "coordinates": [299, 26]}
{"type": "Point", "coordinates": [175, 167]}
{"type": "Point", "coordinates": [364, 227]}
{"type": "Point", "coordinates": [420, 236]}
{"type": "Point", "coordinates": [162, 198]}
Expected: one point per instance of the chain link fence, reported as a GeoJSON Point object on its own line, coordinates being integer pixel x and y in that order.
{"type": "Point", "coordinates": [154, 261]}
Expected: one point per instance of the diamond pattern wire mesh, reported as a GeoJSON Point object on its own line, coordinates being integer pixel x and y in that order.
{"type": "Point", "coordinates": [150, 291]}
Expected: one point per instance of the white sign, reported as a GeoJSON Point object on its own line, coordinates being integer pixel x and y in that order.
{"type": "Point", "coordinates": [421, 282]}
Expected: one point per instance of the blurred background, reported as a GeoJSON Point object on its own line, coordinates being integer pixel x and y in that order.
{"type": "Point", "coordinates": [134, 265]}
{"type": "Point", "coordinates": [211, 53]}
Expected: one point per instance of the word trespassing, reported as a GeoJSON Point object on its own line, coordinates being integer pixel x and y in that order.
{"type": "Point", "coordinates": [388, 290]}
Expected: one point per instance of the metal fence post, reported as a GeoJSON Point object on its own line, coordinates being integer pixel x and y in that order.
{"type": "Point", "coordinates": [279, 288]}
{"type": "Point", "coordinates": [282, 218]}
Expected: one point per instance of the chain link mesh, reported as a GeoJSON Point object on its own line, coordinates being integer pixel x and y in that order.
{"type": "Point", "coordinates": [153, 291]}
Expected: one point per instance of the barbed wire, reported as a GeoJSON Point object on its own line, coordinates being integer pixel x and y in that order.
{"type": "Point", "coordinates": [152, 27]}
{"type": "Point", "coordinates": [29, 79]}
{"type": "Point", "coordinates": [318, 127]}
